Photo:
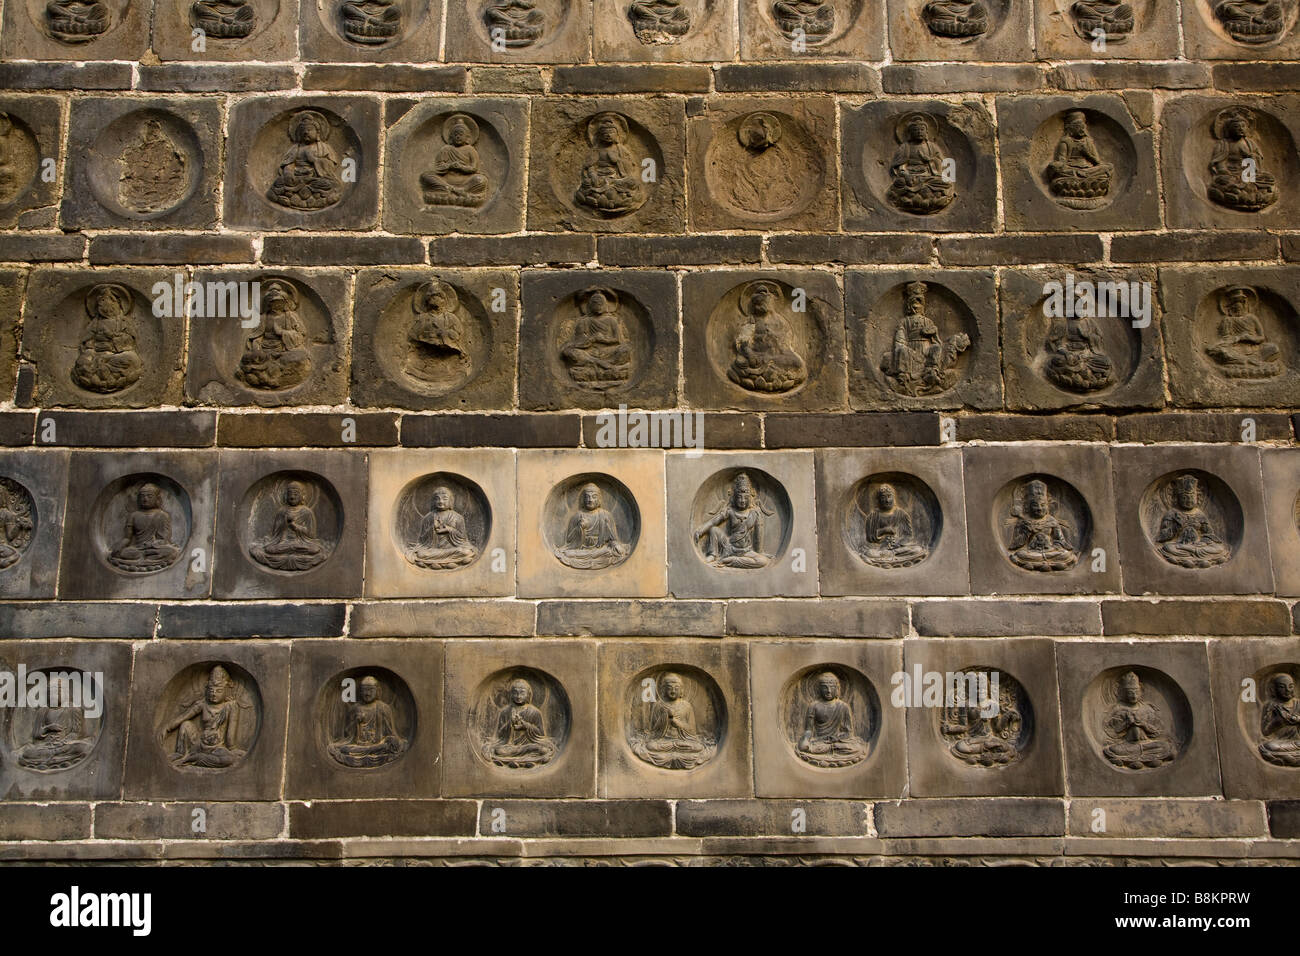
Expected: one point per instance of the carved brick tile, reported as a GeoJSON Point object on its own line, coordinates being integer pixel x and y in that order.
{"type": "Point", "coordinates": [34, 487]}
{"type": "Point", "coordinates": [31, 154]}
{"type": "Point", "coordinates": [984, 30]}
{"type": "Point", "coordinates": [665, 30]}
{"type": "Point", "coordinates": [403, 31]}
{"type": "Point", "coordinates": [519, 31]}
{"type": "Point", "coordinates": [70, 30]}
{"type": "Point", "coordinates": [781, 30]}
{"type": "Point", "coordinates": [240, 30]}
{"type": "Point", "coordinates": [1104, 30]}
{"type": "Point", "coordinates": [1282, 502]}
{"type": "Point", "coordinates": [1214, 30]}
{"type": "Point", "coordinates": [1254, 704]}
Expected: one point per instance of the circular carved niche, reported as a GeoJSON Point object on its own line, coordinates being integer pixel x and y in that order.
{"type": "Point", "coordinates": [441, 522]}
{"type": "Point", "coordinates": [520, 719]}
{"type": "Point", "coordinates": [1100, 164]}
{"type": "Point", "coordinates": [1091, 19]}
{"type": "Point", "coordinates": [455, 137]}
{"type": "Point", "coordinates": [831, 716]}
{"type": "Point", "coordinates": [759, 344]}
{"type": "Point", "coordinates": [229, 21]}
{"type": "Point", "coordinates": [1192, 519]}
{"type": "Point", "coordinates": [1136, 718]}
{"type": "Point", "coordinates": [1042, 523]}
{"type": "Point", "coordinates": [433, 337]}
{"type": "Point", "coordinates": [284, 162]}
{"type": "Point", "coordinates": [521, 25]}
{"type": "Point", "coordinates": [372, 24]}
{"type": "Point", "coordinates": [1271, 722]}
{"type": "Point", "coordinates": [674, 717]}
{"type": "Point", "coordinates": [145, 164]}
{"type": "Point", "coordinates": [1085, 357]}
{"type": "Point", "coordinates": [111, 337]}
{"type": "Point", "coordinates": [290, 522]}
{"type": "Point", "coordinates": [18, 521]}
{"type": "Point", "coordinates": [601, 340]}
{"type": "Point", "coordinates": [822, 22]}
{"type": "Point", "coordinates": [918, 195]}
{"type": "Point", "coordinates": [75, 22]}
{"type": "Point", "coordinates": [986, 719]}
{"type": "Point", "coordinates": [59, 735]}
{"type": "Point", "coordinates": [208, 717]}
{"type": "Point", "coordinates": [927, 314]}
{"type": "Point", "coordinates": [1270, 145]}
{"type": "Point", "coordinates": [365, 718]}
{"type": "Point", "coordinates": [666, 22]}
{"type": "Point", "coordinates": [142, 524]}
{"type": "Point", "coordinates": [764, 166]}
{"type": "Point", "coordinates": [741, 519]}
{"type": "Point", "coordinates": [891, 520]}
{"type": "Point", "coordinates": [597, 166]}
{"type": "Point", "coordinates": [963, 21]}
{"type": "Point", "coordinates": [1250, 26]}
{"type": "Point", "coordinates": [19, 158]}
{"type": "Point", "coordinates": [1247, 333]}
{"type": "Point", "coordinates": [591, 521]}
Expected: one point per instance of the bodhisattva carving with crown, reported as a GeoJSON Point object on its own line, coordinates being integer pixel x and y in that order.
{"type": "Point", "coordinates": [918, 184]}
{"type": "Point", "coordinates": [1076, 175]}
{"type": "Point", "coordinates": [1041, 540]}
{"type": "Point", "coordinates": [670, 736]}
{"type": "Point", "coordinates": [1077, 359]}
{"type": "Point", "coordinates": [1188, 536]}
{"type": "Point", "coordinates": [984, 733]}
{"type": "Point", "coordinates": [519, 740]}
{"type": "Point", "coordinates": [17, 522]}
{"type": "Point", "coordinates": [208, 730]}
{"type": "Point", "coordinates": [829, 739]}
{"type": "Point", "coordinates": [733, 535]}
{"type": "Point", "coordinates": [1238, 179]}
{"type": "Point", "coordinates": [369, 735]}
{"type": "Point", "coordinates": [921, 361]}
{"type": "Point", "coordinates": [1135, 732]}
{"type": "Point", "coordinates": [307, 176]}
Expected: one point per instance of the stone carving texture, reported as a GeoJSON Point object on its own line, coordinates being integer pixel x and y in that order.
{"type": "Point", "coordinates": [1038, 536]}
{"type": "Point", "coordinates": [367, 718]}
{"type": "Point", "coordinates": [58, 736]}
{"type": "Point", "coordinates": [745, 520]}
{"type": "Point", "coordinates": [1140, 725]}
{"type": "Point", "coordinates": [1193, 520]}
{"type": "Point", "coordinates": [442, 522]}
{"type": "Point", "coordinates": [833, 715]}
{"type": "Point", "coordinates": [895, 521]}
{"type": "Point", "coordinates": [29, 133]}
{"type": "Point", "coordinates": [592, 522]}
{"type": "Point", "coordinates": [76, 29]}
{"type": "Point", "coordinates": [675, 718]}
{"type": "Point", "coordinates": [287, 533]}
{"type": "Point", "coordinates": [990, 731]}
{"type": "Point", "coordinates": [523, 719]}
{"type": "Point", "coordinates": [208, 717]}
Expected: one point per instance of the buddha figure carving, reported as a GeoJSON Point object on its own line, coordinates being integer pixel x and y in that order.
{"type": "Point", "coordinates": [767, 175]}
{"type": "Point", "coordinates": [1279, 722]}
{"type": "Point", "coordinates": [370, 737]}
{"type": "Point", "coordinates": [597, 354]}
{"type": "Point", "coordinates": [58, 739]}
{"type": "Point", "coordinates": [1108, 19]}
{"type": "Point", "coordinates": [828, 737]}
{"type": "Point", "coordinates": [611, 177]}
{"type": "Point", "coordinates": [732, 537]}
{"type": "Point", "coordinates": [16, 524]}
{"type": "Point", "coordinates": [292, 544]}
{"type": "Point", "coordinates": [107, 360]}
{"type": "Point", "coordinates": [1077, 360]}
{"type": "Point", "coordinates": [154, 171]}
{"type": "Point", "coordinates": [455, 179]}
{"type": "Point", "coordinates": [520, 741]}
{"type": "Point", "coordinates": [1136, 734]}
{"type": "Point", "coordinates": [223, 19]}
{"type": "Point", "coordinates": [671, 737]}
{"type": "Point", "coordinates": [1076, 175]}
{"type": "Point", "coordinates": [956, 19]}
{"type": "Point", "coordinates": [918, 185]}
{"type": "Point", "coordinates": [809, 20]}
{"type": "Point", "coordinates": [435, 341]}
{"type": "Point", "coordinates": [76, 21]}
{"type": "Point", "coordinates": [1238, 179]}
{"type": "Point", "coordinates": [308, 172]}
{"type": "Point", "coordinates": [921, 362]}
{"type": "Point", "coordinates": [370, 22]}
{"type": "Point", "coordinates": [146, 544]}
{"type": "Point", "coordinates": [516, 23]}
{"type": "Point", "coordinates": [1251, 21]}
{"type": "Point", "coordinates": [1241, 348]}
{"type": "Point", "coordinates": [1188, 536]}
{"type": "Point", "coordinates": [887, 538]}
{"type": "Point", "coordinates": [591, 539]}
{"type": "Point", "coordinates": [276, 356]}
{"type": "Point", "coordinates": [659, 22]}
{"type": "Point", "coordinates": [1041, 540]}
{"type": "Point", "coordinates": [207, 731]}
{"type": "Point", "coordinates": [764, 356]}
{"type": "Point", "coordinates": [984, 733]}
{"type": "Point", "coordinates": [444, 542]}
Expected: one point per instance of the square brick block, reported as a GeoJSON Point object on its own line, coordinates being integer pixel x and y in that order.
{"type": "Point", "coordinates": [491, 31]}
{"type": "Point", "coordinates": [343, 745]}
{"type": "Point", "coordinates": [270, 185]}
{"type": "Point", "coordinates": [957, 304]}
{"type": "Point", "coordinates": [769, 340]}
{"type": "Point", "coordinates": [34, 135]}
{"type": "Point", "coordinates": [86, 763]}
{"type": "Point", "coordinates": [880, 149]}
{"type": "Point", "coordinates": [115, 30]}
{"type": "Point", "coordinates": [1137, 719]}
{"type": "Point", "coordinates": [35, 486]}
{"type": "Point", "coordinates": [645, 31]}
{"type": "Point", "coordinates": [959, 742]}
{"type": "Point", "coordinates": [756, 163]}
{"type": "Point", "coordinates": [1150, 32]}
{"type": "Point", "coordinates": [571, 318]}
{"type": "Point", "coordinates": [139, 525]}
{"type": "Point", "coordinates": [804, 746]}
{"type": "Point", "coordinates": [853, 30]}
{"type": "Point", "coordinates": [502, 740]}
{"type": "Point", "coordinates": [674, 720]}
{"type": "Point", "coordinates": [763, 547]}
{"type": "Point", "coordinates": [1055, 357]}
{"type": "Point", "coordinates": [912, 542]}
{"type": "Point", "coordinates": [1191, 520]}
{"type": "Point", "coordinates": [435, 338]}
{"type": "Point", "coordinates": [1036, 518]}
{"type": "Point", "coordinates": [167, 756]}
{"type": "Point", "coordinates": [270, 34]}
{"type": "Point", "coordinates": [1268, 35]}
{"type": "Point", "coordinates": [1282, 497]}
{"type": "Point", "coordinates": [578, 542]}
{"type": "Point", "coordinates": [414, 550]}
{"type": "Point", "coordinates": [97, 342]}
{"type": "Point", "coordinates": [1254, 687]}
{"type": "Point", "coordinates": [331, 31]}
{"type": "Point", "coordinates": [990, 31]}
{"type": "Point", "coordinates": [454, 165]}
{"type": "Point", "coordinates": [238, 360]}
{"type": "Point", "coordinates": [291, 524]}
